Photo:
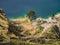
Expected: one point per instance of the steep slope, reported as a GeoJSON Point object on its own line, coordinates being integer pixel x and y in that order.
{"type": "Point", "coordinates": [4, 24]}
{"type": "Point", "coordinates": [3, 21]}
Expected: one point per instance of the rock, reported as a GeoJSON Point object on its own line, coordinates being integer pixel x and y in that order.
{"type": "Point", "coordinates": [3, 21]}
{"type": "Point", "coordinates": [4, 24]}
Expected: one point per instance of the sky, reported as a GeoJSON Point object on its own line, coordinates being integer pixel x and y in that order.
{"type": "Point", "coordinates": [18, 8]}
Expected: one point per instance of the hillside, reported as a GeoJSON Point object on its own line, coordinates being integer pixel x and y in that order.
{"type": "Point", "coordinates": [23, 31]}
{"type": "Point", "coordinates": [39, 28]}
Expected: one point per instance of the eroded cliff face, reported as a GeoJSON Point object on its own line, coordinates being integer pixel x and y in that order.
{"type": "Point", "coordinates": [3, 22]}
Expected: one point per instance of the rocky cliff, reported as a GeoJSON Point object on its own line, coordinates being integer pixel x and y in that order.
{"type": "Point", "coordinates": [3, 20]}
{"type": "Point", "coordinates": [39, 30]}
{"type": "Point", "coordinates": [46, 28]}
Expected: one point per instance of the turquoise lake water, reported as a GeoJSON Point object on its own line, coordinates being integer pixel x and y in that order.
{"type": "Point", "coordinates": [18, 8]}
